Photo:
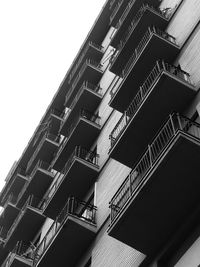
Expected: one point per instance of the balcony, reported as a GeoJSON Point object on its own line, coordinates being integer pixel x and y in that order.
{"type": "Point", "coordinates": [135, 31]}
{"type": "Point", "coordinates": [117, 12]}
{"type": "Point", "coordinates": [55, 120]}
{"type": "Point", "coordinates": [68, 237]}
{"type": "Point", "coordinates": [83, 131]}
{"type": "Point", "coordinates": [13, 186]}
{"type": "Point", "coordinates": [91, 50]}
{"type": "Point", "coordinates": [167, 88]}
{"type": "Point", "coordinates": [19, 257]}
{"type": "Point", "coordinates": [89, 71]}
{"type": "Point", "coordinates": [20, 229]}
{"type": "Point", "coordinates": [39, 181]}
{"type": "Point", "coordinates": [88, 96]}
{"type": "Point", "coordinates": [44, 151]}
{"type": "Point", "coordinates": [140, 64]}
{"type": "Point", "coordinates": [76, 178]}
{"type": "Point", "coordinates": [163, 184]}
{"type": "Point", "coordinates": [128, 14]}
{"type": "Point", "coordinates": [8, 215]}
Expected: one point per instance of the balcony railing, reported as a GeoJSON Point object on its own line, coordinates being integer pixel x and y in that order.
{"type": "Point", "coordinates": [47, 135]}
{"type": "Point", "coordinates": [86, 85]}
{"type": "Point", "coordinates": [21, 249]}
{"type": "Point", "coordinates": [115, 10]}
{"type": "Point", "coordinates": [74, 207]}
{"type": "Point", "coordinates": [79, 152]}
{"type": "Point", "coordinates": [135, 21]}
{"type": "Point", "coordinates": [30, 202]}
{"type": "Point", "coordinates": [151, 30]}
{"type": "Point", "coordinates": [88, 62]}
{"type": "Point", "coordinates": [149, 159]}
{"type": "Point", "coordinates": [98, 47]}
{"type": "Point", "coordinates": [142, 94]}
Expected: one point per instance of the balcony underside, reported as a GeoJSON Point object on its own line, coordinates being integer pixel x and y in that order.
{"type": "Point", "coordinates": [91, 74]}
{"type": "Point", "coordinates": [84, 135]}
{"type": "Point", "coordinates": [141, 69]}
{"type": "Point", "coordinates": [77, 181]}
{"type": "Point", "coordinates": [20, 262]}
{"type": "Point", "coordinates": [148, 18]}
{"type": "Point", "coordinates": [45, 153]}
{"type": "Point", "coordinates": [8, 216]}
{"type": "Point", "coordinates": [89, 100]}
{"type": "Point", "coordinates": [166, 95]}
{"type": "Point", "coordinates": [37, 186]}
{"type": "Point", "coordinates": [136, 6]}
{"type": "Point", "coordinates": [69, 244]}
{"type": "Point", "coordinates": [169, 190]}
{"type": "Point", "coordinates": [26, 229]}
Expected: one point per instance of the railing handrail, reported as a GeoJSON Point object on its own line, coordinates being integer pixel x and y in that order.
{"type": "Point", "coordinates": [71, 207]}
{"type": "Point", "coordinates": [142, 93]}
{"type": "Point", "coordinates": [151, 30]}
{"type": "Point", "coordinates": [149, 158]}
{"type": "Point", "coordinates": [79, 152]}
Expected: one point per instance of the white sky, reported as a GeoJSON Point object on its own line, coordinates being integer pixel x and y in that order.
{"type": "Point", "coordinates": [38, 41]}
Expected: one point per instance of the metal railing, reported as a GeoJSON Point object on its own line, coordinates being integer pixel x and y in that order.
{"type": "Point", "coordinates": [22, 250]}
{"type": "Point", "coordinates": [160, 67]}
{"type": "Point", "coordinates": [166, 135]}
{"type": "Point", "coordinates": [85, 85]}
{"type": "Point", "coordinates": [32, 202]}
{"type": "Point", "coordinates": [47, 135]}
{"type": "Point", "coordinates": [87, 62]}
{"type": "Point", "coordinates": [79, 152]}
{"type": "Point", "coordinates": [74, 207]}
{"type": "Point", "coordinates": [135, 22]}
{"type": "Point", "coordinates": [90, 43]}
{"type": "Point", "coordinates": [115, 10]}
{"type": "Point", "coordinates": [138, 50]}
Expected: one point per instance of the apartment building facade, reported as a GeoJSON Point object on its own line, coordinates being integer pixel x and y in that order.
{"type": "Point", "coordinates": [110, 177]}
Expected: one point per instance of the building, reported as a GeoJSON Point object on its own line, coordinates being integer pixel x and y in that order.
{"type": "Point", "coordinates": [110, 177]}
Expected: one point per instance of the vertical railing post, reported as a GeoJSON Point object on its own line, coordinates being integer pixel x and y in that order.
{"type": "Point", "coordinates": [130, 186]}
{"type": "Point", "coordinates": [179, 121]}
{"type": "Point", "coordinates": [150, 155]}
{"type": "Point", "coordinates": [172, 123]}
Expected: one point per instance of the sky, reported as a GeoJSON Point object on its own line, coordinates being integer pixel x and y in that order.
{"type": "Point", "coordinates": [38, 41]}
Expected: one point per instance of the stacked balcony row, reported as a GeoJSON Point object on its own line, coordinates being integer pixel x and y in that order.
{"type": "Point", "coordinates": [53, 160]}
{"type": "Point", "coordinates": [76, 218]}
